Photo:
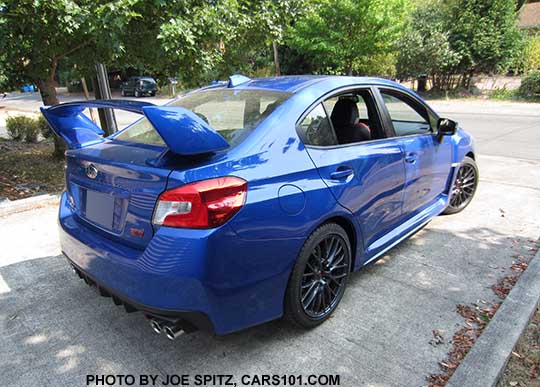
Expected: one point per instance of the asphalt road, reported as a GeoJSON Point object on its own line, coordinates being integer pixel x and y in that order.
{"type": "Point", "coordinates": [54, 330]}
{"type": "Point", "coordinates": [505, 129]}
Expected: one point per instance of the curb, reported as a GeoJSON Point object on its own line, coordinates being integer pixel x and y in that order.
{"type": "Point", "coordinates": [27, 204]}
{"type": "Point", "coordinates": [487, 359]}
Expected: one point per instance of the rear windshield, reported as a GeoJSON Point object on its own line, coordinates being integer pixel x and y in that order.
{"type": "Point", "coordinates": [232, 113]}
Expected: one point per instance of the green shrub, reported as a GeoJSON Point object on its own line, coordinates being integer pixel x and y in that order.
{"type": "Point", "coordinates": [22, 128]}
{"type": "Point", "coordinates": [17, 126]}
{"type": "Point", "coordinates": [32, 132]}
{"type": "Point", "coordinates": [531, 55]}
{"type": "Point", "coordinates": [530, 85]}
{"type": "Point", "coordinates": [44, 127]}
{"type": "Point", "coordinates": [503, 94]}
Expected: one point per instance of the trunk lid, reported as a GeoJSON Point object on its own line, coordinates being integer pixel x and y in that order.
{"type": "Point", "coordinates": [113, 185]}
{"type": "Point", "coordinates": [113, 188]}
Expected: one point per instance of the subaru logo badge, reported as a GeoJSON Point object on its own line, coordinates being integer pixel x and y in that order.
{"type": "Point", "coordinates": [91, 171]}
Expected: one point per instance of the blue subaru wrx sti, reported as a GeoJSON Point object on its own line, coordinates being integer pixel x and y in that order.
{"type": "Point", "coordinates": [248, 200]}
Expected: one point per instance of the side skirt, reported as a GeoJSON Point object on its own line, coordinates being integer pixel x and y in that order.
{"type": "Point", "coordinates": [405, 230]}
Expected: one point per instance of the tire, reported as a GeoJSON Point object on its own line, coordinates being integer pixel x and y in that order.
{"type": "Point", "coordinates": [313, 294]}
{"type": "Point", "coordinates": [137, 94]}
{"type": "Point", "coordinates": [153, 94]}
{"type": "Point", "coordinates": [464, 187]}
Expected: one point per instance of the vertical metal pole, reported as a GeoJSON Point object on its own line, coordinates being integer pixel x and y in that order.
{"type": "Point", "coordinates": [87, 96]}
{"type": "Point", "coordinates": [108, 120]}
{"type": "Point", "coordinates": [276, 58]}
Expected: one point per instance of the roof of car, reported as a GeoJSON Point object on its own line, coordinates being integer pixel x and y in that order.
{"type": "Point", "coordinates": [143, 77]}
{"type": "Point", "coordinates": [295, 83]}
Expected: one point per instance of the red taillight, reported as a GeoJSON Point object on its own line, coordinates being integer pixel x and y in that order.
{"type": "Point", "coordinates": [203, 204]}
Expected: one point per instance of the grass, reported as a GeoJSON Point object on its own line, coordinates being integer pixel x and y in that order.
{"type": "Point", "coordinates": [523, 368]}
{"type": "Point", "coordinates": [29, 169]}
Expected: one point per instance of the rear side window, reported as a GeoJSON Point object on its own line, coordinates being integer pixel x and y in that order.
{"type": "Point", "coordinates": [232, 113]}
{"type": "Point", "coordinates": [315, 128]}
{"type": "Point", "coordinates": [330, 103]}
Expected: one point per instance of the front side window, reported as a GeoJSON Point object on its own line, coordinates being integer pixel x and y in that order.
{"type": "Point", "coordinates": [232, 113]}
{"type": "Point", "coordinates": [315, 128]}
{"type": "Point", "coordinates": [407, 118]}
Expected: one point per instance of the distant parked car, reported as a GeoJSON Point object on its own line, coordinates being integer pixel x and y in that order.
{"type": "Point", "coordinates": [139, 86]}
{"type": "Point", "coordinates": [28, 88]}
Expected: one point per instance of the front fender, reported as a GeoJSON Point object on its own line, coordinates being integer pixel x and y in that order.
{"type": "Point", "coordinates": [463, 144]}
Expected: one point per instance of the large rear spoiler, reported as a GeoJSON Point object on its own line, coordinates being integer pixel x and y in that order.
{"type": "Point", "coordinates": [183, 131]}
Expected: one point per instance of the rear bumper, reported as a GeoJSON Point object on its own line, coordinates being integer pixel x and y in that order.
{"type": "Point", "coordinates": [232, 282]}
{"type": "Point", "coordinates": [146, 91]}
{"type": "Point", "coordinates": [192, 319]}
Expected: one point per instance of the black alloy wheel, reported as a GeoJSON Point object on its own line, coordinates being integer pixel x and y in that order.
{"type": "Point", "coordinates": [464, 186]}
{"type": "Point", "coordinates": [319, 277]}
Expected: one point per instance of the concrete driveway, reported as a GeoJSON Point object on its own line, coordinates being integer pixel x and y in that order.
{"type": "Point", "coordinates": [55, 330]}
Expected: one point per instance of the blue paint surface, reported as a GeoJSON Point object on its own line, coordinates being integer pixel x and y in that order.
{"type": "Point", "coordinates": [237, 274]}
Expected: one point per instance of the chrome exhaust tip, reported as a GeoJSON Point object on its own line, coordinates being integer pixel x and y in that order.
{"type": "Point", "coordinates": [173, 331]}
{"type": "Point", "coordinates": [156, 326]}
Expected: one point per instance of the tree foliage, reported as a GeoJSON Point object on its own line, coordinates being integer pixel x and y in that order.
{"type": "Point", "coordinates": [484, 33]}
{"type": "Point", "coordinates": [350, 36]}
{"type": "Point", "coordinates": [529, 59]}
{"type": "Point", "coordinates": [36, 35]}
{"type": "Point", "coordinates": [258, 24]}
{"type": "Point", "coordinates": [463, 37]}
{"type": "Point", "coordinates": [201, 40]}
{"type": "Point", "coordinates": [424, 47]}
{"type": "Point", "coordinates": [191, 39]}
{"type": "Point", "coordinates": [530, 85]}
{"type": "Point", "coordinates": [177, 38]}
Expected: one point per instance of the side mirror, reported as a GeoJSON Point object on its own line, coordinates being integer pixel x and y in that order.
{"type": "Point", "coordinates": [446, 127]}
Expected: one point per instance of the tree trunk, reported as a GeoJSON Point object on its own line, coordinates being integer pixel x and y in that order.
{"type": "Point", "coordinates": [47, 92]}
{"type": "Point", "coordinates": [49, 97]}
{"type": "Point", "coordinates": [276, 58]}
{"type": "Point", "coordinates": [520, 4]}
{"type": "Point", "coordinates": [467, 78]}
{"type": "Point", "coordinates": [349, 68]}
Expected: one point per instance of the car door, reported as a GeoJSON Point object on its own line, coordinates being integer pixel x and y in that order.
{"type": "Point", "coordinates": [365, 177]}
{"type": "Point", "coordinates": [427, 159]}
{"type": "Point", "coordinates": [131, 85]}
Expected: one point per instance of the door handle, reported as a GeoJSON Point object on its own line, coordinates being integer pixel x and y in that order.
{"type": "Point", "coordinates": [411, 157]}
{"type": "Point", "coordinates": [341, 173]}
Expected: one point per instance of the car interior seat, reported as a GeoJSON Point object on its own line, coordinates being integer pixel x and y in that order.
{"type": "Point", "coordinates": [347, 126]}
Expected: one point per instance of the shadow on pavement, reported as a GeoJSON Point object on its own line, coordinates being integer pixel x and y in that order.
{"type": "Point", "coordinates": [55, 329]}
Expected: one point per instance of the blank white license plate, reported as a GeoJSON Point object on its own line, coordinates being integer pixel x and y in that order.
{"type": "Point", "coordinates": [100, 208]}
